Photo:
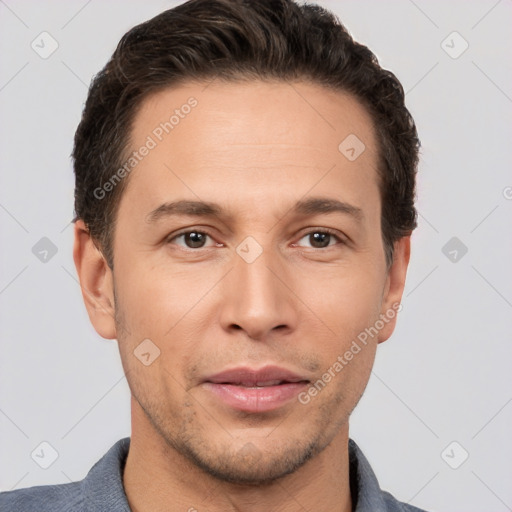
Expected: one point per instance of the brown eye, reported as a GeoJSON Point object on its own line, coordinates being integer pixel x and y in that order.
{"type": "Point", "coordinates": [192, 240]}
{"type": "Point", "coordinates": [318, 240]}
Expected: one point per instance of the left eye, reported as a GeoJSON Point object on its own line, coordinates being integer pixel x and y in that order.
{"type": "Point", "coordinates": [319, 239]}
{"type": "Point", "coordinates": [192, 239]}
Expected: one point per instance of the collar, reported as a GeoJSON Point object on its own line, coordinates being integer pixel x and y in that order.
{"type": "Point", "coordinates": [103, 490]}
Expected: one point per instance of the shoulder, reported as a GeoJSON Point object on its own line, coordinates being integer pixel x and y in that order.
{"type": "Point", "coordinates": [54, 498]}
{"type": "Point", "coordinates": [101, 490]}
{"type": "Point", "coordinates": [393, 505]}
{"type": "Point", "coordinates": [365, 489]}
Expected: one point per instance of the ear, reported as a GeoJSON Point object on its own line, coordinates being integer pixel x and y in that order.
{"type": "Point", "coordinates": [394, 287]}
{"type": "Point", "coordinates": [96, 282]}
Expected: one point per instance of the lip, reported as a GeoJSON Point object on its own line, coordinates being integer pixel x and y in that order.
{"type": "Point", "coordinates": [255, 390]}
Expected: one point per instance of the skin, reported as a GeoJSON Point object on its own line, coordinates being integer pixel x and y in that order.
{"type": "Point", "coordinates": [255, 149]}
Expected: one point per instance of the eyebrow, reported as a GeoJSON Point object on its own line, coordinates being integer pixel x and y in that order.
{"type": "Point", "coordinates": [310, 206]}
{"type": "Point", "coordinates": [317, 205]}
{"type": "Point", "coordinates": [184, 207]}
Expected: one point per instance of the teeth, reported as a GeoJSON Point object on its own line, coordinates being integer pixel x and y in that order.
{"type": "Point", "coordinates": [268, 383]}
{"type": "Point", "coordinates": [260, 384]}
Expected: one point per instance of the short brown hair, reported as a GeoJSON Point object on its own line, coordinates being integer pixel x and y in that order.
{"type": "Point", "coordinates": [238, 40]}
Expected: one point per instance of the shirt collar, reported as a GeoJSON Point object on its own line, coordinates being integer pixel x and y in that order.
{"type": "Point", "coordinates": [367, 495]}
{"type": "Point", "coordinates": [103, 487]}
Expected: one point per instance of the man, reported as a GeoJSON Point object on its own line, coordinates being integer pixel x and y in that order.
{"type": "Point", "coordinates": [244, 202]}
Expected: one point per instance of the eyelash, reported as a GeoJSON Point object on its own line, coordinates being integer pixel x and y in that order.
{"type": "Point", "coordinates": [327, 231]}
{"type": "Point", "coordinates": [172, 238]}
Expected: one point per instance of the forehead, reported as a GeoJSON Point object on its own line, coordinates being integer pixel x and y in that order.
{"type": "Point", "coordinates": [267, 137]}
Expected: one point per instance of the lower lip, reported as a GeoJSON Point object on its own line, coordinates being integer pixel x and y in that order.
{"type": "Point", "coordinates": [256, 400]}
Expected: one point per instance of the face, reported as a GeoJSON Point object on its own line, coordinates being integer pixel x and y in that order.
{"type": "Point", "coordinates": [248, 250]}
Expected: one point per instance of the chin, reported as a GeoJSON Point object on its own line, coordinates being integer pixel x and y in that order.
{"type": "Point", "coordinates": [249, 465]}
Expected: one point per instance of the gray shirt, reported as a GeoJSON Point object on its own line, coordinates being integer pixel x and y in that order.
{"type": "Point", "coordinates": [102, 489]}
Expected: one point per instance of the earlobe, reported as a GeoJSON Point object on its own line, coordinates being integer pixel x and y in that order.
{"type": "Point", "coordinates": [394, 288]}
{"type": "Point", "coordinates": [96, 282]}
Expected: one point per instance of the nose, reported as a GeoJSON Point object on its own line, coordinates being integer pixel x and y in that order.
{"type": "Point", "coordinates": [258, 298]}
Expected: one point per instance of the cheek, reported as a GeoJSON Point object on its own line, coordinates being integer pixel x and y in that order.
{"type": "Point", "coordinates": [169, 308]}
{"type": "Point", "coordinates": [348, 305]}
{"type": "Point", "coordinates": [152, 358]}
{"type": "Point", "coordinates": [346, 300]}
{"type": "Point", "coordinates": [157, 300]}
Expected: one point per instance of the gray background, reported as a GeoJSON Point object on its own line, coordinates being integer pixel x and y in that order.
{"type": "Point", "coordinates": [446, 373]}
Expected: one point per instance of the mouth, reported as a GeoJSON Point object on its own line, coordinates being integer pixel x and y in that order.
{"type": "Point", "coordinates": [255, 391]}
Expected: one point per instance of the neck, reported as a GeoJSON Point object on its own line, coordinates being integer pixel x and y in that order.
{"type": "Point", "coordinates": [157, 478]}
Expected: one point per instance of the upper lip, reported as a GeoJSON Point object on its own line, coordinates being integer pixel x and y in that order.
{"type": "Point", "coordinates": [266, 376]}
